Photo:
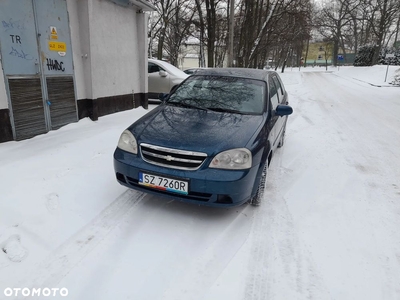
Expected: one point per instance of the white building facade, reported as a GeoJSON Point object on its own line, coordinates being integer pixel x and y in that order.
{"type": "Point", "coordinates": [63, 60]}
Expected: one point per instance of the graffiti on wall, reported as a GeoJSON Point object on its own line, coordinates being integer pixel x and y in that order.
{"type": "Point", "coordinates": [11, 24]}
{"type": "Point", "coordinates": [20, 53]}
{"type": "Point", "coordinates": [54, 65]}
{"type": "Point", "coordinates": [16, 50]}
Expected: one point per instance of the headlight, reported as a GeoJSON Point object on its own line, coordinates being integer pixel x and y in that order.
{"type": "Point", "coordinates": [234, 159]}
{"type": "Point", "coordinates": [127, 142]}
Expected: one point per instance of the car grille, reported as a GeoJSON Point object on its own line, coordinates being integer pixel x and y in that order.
{"type": "Point", "coordinates": [172, 158]}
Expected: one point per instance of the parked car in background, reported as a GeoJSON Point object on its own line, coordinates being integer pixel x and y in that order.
{"type": "Point", "coordinates": [210, 142]}
{"type": "Point", "coordinates": [192, 70]}
{"type": "Point", "coordinates": [162, 77]}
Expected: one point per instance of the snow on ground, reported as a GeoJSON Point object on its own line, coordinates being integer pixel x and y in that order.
{"type": "Point", "coordinates": [328, 227]}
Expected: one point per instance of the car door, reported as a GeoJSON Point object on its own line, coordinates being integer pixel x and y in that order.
{"type": "Point", "coordinates": [283, 99]}
{"type": "Point", "coordinates": [157, 83]}
{"type": "Point", "coordinates": [276, 121]}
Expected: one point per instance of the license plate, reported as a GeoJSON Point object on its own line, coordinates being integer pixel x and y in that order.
{"type": "Point", "coordinates": [164, 183]}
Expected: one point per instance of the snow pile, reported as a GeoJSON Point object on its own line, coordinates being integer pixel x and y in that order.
{"type": "Point", "coordinates": [396, 79]}
{"type": "Point", "coordinates": [328, 227]}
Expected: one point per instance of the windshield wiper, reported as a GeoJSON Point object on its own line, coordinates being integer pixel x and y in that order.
{"type": "Point", "coordinates": [186, 105]}
{"type": "Point", "coordinates": [220, 109]}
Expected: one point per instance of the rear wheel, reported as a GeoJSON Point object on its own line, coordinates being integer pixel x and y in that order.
{"type": "Point", "coordinates": [256, 200]}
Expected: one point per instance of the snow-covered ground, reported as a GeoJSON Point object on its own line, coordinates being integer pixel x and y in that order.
{"type": "Point", "coordinates": [328, 227]}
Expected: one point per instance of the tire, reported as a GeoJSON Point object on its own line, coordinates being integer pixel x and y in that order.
{"type": "Point", "coordinates": [256, 199]}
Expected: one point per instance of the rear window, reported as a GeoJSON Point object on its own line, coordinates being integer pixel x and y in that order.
{"type": "Point", "coordinates": [221, 93]}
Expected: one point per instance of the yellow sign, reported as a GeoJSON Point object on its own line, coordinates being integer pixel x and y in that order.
{"type": "Point", "coordinates": [53, 33]}
{"type": "Point", "coordinates": [58, 46]}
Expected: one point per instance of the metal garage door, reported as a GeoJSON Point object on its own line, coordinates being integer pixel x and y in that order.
{"type": "Point", "coordinates": [37, 61]}
{"type": "Point", "coordinates": [28, 111]}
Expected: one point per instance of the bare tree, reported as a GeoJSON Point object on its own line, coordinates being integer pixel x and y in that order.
{"type": "Point", "coordinates": [262, 29]}
{"type": "Point", "coordinates": [170, 27]}
{"type": "Point", "coordinates": [354, 23]}
{"type": "Point", "coordinates": [178, 29]}
{"type": "Point", "coordinates": [202, 28]}
{"type": "Point", "coordinates": [269, 26]}
{"type": "Point", "coordinates": [333, 19]}
{"type": "Point", "coordinates": [384, 16]}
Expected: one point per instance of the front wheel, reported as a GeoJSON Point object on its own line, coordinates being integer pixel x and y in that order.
{"type": "Point", "coordinates": [256, 200]}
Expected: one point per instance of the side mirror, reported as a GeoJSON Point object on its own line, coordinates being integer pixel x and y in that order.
{"type": "Point", "coordinates": [283, 110]}
{"type": "Point", "coordinates": [163, 96]}
{"type": "Point", "coordinates": [163, 73]}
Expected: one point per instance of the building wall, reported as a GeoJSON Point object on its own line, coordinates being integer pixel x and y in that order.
{"type": "Point", "coordinates": [113, 36]}
{"type": "Point", "coordinates": [190, 62]}
{"type": "Point", "coordinates": [190, 54]}
{"type": "Point", "coordinates": [80, 38]}
{"type": "Point", "coordinates": [141, 57]}
{"type": "Point", "coordinates": [5, 124]}
{"type": "Point", "coordinates": [109, 48]}
{"type": "Point", "coordinates": [3, 93]}
{"type": "Point", "coordinates": [319, 53]}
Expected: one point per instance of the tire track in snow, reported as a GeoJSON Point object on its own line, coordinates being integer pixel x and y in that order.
{"type": "Point", "coordinates": [204, 266]}
{"type": "Point", "coordinates": [279, 259]}
{"type": "Point", "coordinates": [63, 259]}
{"type": "Point", "coordinates": [375, 163]}
{"type": "Point", "coordinates": [281, 266]}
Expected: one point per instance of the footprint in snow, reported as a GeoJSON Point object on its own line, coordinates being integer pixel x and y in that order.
{"type": "Point", "coordinates": [13, 249]}
{"type": "Point", "coordinates": [52, 202]}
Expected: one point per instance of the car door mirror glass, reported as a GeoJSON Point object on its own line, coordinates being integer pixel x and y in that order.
{"type": "Point", "coordinates": [283, 110]}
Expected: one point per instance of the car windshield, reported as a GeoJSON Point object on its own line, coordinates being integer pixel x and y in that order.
{"type": "Point", "coordinates": [220, 93]}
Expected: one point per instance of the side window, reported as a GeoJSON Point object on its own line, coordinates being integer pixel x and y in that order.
{"type": "Point", "coordinates": [153, 68]}
{"type": "Point", "coordinates": [273, 93]}
{"type": "Point", "coordinates": [279, 89]}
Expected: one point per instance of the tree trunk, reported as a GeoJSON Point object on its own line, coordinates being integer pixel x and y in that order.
{"type": "Point", "coordinates": [211, 28]}
{"type": "Point", "coordinates": [160, 46]}
{"type": "Point", "coordinates": [201, 39]}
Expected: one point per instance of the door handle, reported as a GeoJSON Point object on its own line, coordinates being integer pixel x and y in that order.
{"type": "Point", "coordinates": [37, 66]}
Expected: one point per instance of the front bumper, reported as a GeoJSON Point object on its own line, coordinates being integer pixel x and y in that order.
{"type": "Point", "coordinates": [207, 186]}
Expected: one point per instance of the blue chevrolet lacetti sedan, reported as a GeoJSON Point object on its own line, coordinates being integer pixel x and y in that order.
{"type": "Point", "coordinates": [211, 140]}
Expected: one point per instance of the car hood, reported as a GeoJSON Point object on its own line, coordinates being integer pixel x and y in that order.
{"type": "Point", "coordinates": [196, 130]}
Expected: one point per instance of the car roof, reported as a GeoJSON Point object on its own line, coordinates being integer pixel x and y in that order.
{"type": "Point", "coordinates": [257, 74]}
